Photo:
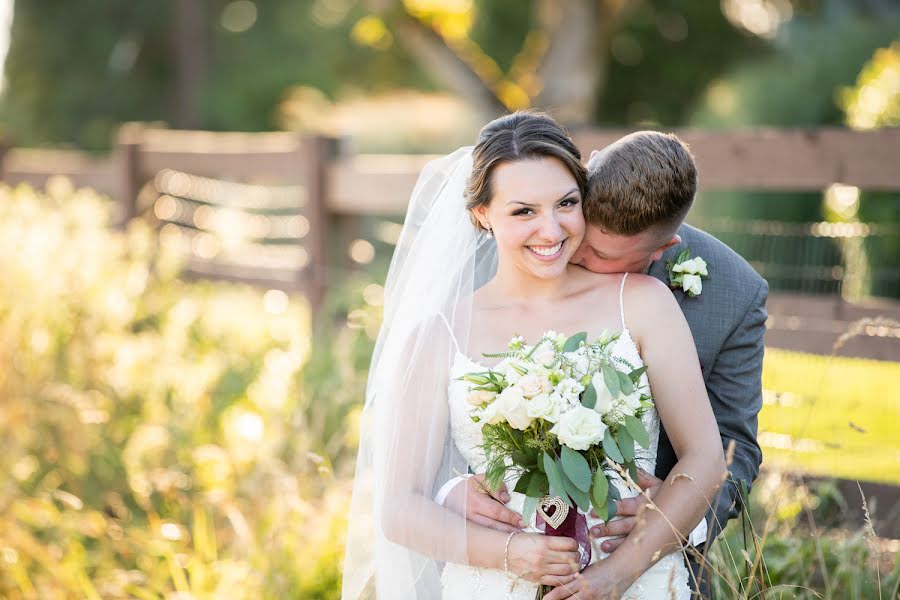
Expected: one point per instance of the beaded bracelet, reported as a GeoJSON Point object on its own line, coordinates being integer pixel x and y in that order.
{"type": "Point", "coordinates": [506, 552]}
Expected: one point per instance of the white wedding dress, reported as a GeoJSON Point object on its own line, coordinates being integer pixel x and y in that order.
{"type": "Point", "coordinates": [667, 579]}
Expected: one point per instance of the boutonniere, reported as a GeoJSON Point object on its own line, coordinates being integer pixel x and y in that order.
{"type": "Point", "coordinates": [687, 273]}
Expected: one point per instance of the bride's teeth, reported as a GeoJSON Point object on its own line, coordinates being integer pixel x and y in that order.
{"type": "Point", "coordinates": [545, 251]}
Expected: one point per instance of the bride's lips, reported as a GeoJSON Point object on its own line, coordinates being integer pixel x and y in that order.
{"type": "Point", "coordinates": [539, 252]}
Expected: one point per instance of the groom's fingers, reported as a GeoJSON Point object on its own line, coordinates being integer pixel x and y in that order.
{"type": "Point", "coordinates": [611, 545]}
{"type": "Point", "coordinates": [618, 527]}
{"type": "Point", "coordinates": [630, 507]}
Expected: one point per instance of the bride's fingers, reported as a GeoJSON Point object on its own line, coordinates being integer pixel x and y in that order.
{"type": "Point", "coordinates": [562, 544]}
{"type": "Point", "coordinates": [563, 558]}
{"type": "Point", "coordinates": [491, 523]}
{"type": "Point", "coordinates": [620, 527]}
{"type": "Point", "coordinates": [493, 510]}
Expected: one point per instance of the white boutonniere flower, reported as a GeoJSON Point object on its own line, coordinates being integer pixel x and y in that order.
{"type": "Point", "coordinates": [687, 273]}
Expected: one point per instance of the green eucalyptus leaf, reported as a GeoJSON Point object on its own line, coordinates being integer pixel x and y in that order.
{"type": "Point", "coordinates": [589, 397]}
{"type": "Point", "coordinates": [611, 448]}
{"type": "Point", "coordinates": [636, 374]}
{"type": "Point", "coordinates": [637, 430]}
{"type": "Point", "coordinates": [574, 342]}
{"type": "Point", "coordinates": [529, 508]}
{"type": "Point", "coordinates": [576, 468]}
{"type": "Point", "coordinates": [599, 491]}
{"type": "Point", "coordinates": [626, 444]}
{"type": "Point", "coordinates": [557, 488]}
{"type": "Point", "coordinates": [611, 379]}
{"type": "Point", "coordinates": [625, 384]}
{"type": "Point", "coordinates": [581, 498]}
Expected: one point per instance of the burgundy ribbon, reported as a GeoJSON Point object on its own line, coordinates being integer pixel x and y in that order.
{"type": "Point", "coordinates": [574, 526]}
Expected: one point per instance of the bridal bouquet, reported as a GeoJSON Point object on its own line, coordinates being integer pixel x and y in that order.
{"type": "Point", "coordinates": [560, 414]}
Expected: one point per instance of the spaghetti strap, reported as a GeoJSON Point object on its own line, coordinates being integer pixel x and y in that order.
{"type": "Point", "coordinates": [622, 301]}
{"type": "Point", "coordinates": [450, 331]}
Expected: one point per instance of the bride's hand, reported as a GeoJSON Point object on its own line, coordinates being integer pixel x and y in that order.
{"type": "Point", "coordinates": [544, 559]}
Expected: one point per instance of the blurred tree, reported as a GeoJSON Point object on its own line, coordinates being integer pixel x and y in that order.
{"type": "Point", "coordinates": [616, 61]}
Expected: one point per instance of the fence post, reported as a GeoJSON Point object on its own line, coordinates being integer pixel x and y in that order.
{"type": "Point", "coordinates": [5, 146]}
{"type": "Point", "coordinates": [127, 152]}
{"type": "Point", "coordinates": [313, 153]}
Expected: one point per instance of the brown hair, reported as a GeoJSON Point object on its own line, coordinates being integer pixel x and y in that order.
{"type": "Point", "coordinates": [646, 180]}
{"type": "Point", "coordinates": [518, 136]}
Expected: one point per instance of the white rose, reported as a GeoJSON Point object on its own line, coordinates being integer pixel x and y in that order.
{"type": "Point", "coordinates": [604, 398]}
{"type": "Point", "coordinates": [579, 428]}
{"type": "Point", "coordinates": [545, 406]}
{"type": "Point", "coordinates": [692, 284]}
{"type": "Point", "coordinates": [530, 385]}
{"type": "Point", "coordinates": [491, 414]}
{"type": "Point", "coordinates": [479, 397]}
{"type": "Point", "coordinates": [512, 405]}
{"type": "Point", "coordinates": [570, 389]}
{"type": "Point", "coordinates": [545, 355]}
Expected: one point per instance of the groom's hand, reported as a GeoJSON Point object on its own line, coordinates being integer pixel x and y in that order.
{"type": "Point", "coordinates": [472, 497]}
{"type": "Point", "coordinates": [628, 509]}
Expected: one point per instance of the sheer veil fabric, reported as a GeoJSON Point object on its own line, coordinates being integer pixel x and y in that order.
{"type": "Point", "coordinates": [398, 537]}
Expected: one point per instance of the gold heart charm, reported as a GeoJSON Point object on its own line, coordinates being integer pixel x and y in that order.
{"type": "Point", "coordinates": [559, 515]}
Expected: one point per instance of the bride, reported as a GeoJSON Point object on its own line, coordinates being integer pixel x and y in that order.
{"type": "Point", "coordinates": [484, 256]}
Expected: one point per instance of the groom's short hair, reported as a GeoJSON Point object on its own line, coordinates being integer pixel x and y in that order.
{"type": "Point", "coordinates": [645, 180]}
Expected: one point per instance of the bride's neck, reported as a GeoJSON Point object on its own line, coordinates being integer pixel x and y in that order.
{"type": "Point", "coordinates": [516, 285]}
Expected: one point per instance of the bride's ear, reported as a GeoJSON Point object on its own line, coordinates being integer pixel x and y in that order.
{"type": "Point", "coordinates": [479, 212]}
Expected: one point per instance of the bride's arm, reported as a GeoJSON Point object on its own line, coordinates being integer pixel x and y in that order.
{"type": "Point", "coordinates": [673, 369]}
{"type": "Point", "coordinates": [412, 450]}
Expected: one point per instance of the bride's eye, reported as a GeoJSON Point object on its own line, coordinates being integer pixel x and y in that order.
{"type": "Point", "coordinates": [522, 211]}
{"type": "Point", "coordinates": [570, 202]}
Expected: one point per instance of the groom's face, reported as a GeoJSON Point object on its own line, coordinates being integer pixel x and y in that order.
{"type": "Point", "coordinates": [603, 252]}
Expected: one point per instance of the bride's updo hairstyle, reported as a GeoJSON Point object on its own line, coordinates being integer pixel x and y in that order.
{"type": "Point", "coordinates": [521, 135]}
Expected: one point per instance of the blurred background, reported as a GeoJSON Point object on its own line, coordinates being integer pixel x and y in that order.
{"type": "Point", "coordinates": [200, 199]}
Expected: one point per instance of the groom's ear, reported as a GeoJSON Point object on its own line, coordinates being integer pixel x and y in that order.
{"type": "Point", "coordinates": [673, 241]}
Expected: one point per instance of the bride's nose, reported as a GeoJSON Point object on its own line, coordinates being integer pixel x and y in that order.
{"type": "Point", "coordinates": [551, 229]}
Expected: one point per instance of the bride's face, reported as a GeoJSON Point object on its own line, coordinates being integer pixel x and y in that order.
{"type": "Point", "coordinates": [535, 214]}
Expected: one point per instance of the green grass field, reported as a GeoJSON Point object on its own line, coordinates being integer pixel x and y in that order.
{"type": "Point", "coordinates": [831, 416]}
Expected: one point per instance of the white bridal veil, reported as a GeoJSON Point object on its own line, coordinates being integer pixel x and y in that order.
{"type": "Point", "coordinates": [398, 537]}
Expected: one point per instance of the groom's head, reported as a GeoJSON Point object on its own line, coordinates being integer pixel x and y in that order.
{"type": "Point", "coordinates": [639, 191]}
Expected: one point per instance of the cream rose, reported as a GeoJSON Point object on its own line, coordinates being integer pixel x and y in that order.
{"type": "Point", "coordinates": [512, 405]}
{"type": "Point", "coordinates": [530, 385]}
{"type": "Point", "coordinates": [692, 284]}
{"type": "Point", "coordinates": [479, 397]}
{"type": "Point", "coordinates": [579, 428]}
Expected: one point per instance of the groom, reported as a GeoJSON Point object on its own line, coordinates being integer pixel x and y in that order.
{"type": "Point", "coordinates": [640, 189]}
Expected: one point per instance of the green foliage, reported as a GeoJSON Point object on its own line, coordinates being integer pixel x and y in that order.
{"type": "Point", "coordinates": [153, 438]}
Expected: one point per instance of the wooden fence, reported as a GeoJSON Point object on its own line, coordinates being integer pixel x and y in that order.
{"type": "Point", "coordinates": [288, 190]}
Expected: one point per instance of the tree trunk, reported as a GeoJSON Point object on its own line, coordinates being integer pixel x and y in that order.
{"type": "Point", "coordinates": [191, 60]}
{"type": "Point", "coordinates": [573, 71]}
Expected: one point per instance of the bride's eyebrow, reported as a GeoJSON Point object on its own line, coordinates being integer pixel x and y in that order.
{"type": "Point", "coordinates": [561, 198]}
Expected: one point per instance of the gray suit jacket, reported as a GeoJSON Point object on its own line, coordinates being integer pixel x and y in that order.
{"type": "Point", "coordinates": [727, 320]}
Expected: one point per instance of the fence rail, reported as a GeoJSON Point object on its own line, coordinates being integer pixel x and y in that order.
{"type": "Point", "coordinates": [290, 191]}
